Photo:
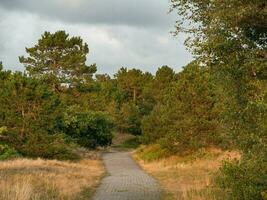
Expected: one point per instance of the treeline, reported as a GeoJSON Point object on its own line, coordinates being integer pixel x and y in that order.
{"type": "Point", "coordinates": [217, 100]}
{"type": "Point", "coordinates": [60, 103]}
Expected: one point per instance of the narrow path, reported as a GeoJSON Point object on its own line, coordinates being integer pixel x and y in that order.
{"type": "Point", "coordinates": [126, 180]}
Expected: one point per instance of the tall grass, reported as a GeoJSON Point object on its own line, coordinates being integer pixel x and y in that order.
{"type": "Point", "coordinates": [28, 187]}
{"type": "Point", "coordinates": [26, 179]}
{"type": "Point", "coordinates": [185, 178]}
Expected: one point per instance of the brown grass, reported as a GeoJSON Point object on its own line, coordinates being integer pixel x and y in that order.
{"type": "Point", "coordinates": [190, 177]}
{"type": "Point", "coordinates": [26, 179]}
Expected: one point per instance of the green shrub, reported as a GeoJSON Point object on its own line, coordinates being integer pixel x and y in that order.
{"type": "Point", "coordinates": [152, 152]}
{"type": "Point", "coordinates": [89, 129]}
{"type": "Point", "coordinates": [131, 143]}
{"type": "Point", "coordinates": [7, 152]}
{"type": "Point", "coordinates": [245, 179]}
{"type": "Point", "coordinates": [47, 146]}
{"type": "Point", "coordinates": [41, 144]}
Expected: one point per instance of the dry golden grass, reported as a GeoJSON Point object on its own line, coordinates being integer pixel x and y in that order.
{"type": "Point", "coordinates": [191, 177]}
{"type": "Point", "coordinates": [26, 179]}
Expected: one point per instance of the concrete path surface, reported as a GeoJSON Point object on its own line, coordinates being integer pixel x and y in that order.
{"type": "Point", "coordinates": [126, 180]}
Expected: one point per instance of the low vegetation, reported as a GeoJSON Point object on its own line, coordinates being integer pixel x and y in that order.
{"type": "Point", "coordinates": [125, 141]}
{"type": "Point", "coordinates": [189, 177]}
{"type": "Point", "coordinates": [26, 179]}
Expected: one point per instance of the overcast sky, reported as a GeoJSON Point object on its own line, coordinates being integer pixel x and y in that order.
{"type": "Point", "coordinates": [129, 33]}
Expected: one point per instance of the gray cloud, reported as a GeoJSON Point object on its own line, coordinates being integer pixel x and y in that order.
{"type": "Point", "coordinates": [121, 40]}
{"type": "Point", "coordinates": [128, 12]}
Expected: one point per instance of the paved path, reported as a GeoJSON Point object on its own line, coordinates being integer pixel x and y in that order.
{"type": "Point", "coordinates": [126, 180]}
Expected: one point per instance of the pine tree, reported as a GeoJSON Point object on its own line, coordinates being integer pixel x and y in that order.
{"type": "Point", "coordinates": [31, 113]}
{"type": "Point", "coordinates": [59, 59]}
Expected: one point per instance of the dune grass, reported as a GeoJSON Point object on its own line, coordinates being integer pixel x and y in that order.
{"type": "Point", "coordinates": [186, 178]}
{"type": "Point", "coordinates": [25, 179]}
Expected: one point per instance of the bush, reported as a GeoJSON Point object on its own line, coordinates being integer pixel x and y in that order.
{"type": "Point", "coordinates": [7, 152]}
{"type": "Point", "coordinates": [245, 179]}
{"type": "Point", "coordinates": [47, 146]}
{"type": "Point", "coordinates": [131, 143]}
{"type": "Point", "coordinates": [152, 152]}
{"type": "Point", "coordinates": [40, 144]}
{"type": "Point", "coordinates": [89, 129]}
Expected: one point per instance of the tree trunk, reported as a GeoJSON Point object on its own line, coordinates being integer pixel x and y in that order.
{"type": "Point", "coordinates": [134, 95]}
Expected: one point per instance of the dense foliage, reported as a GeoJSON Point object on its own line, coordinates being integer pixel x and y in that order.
{"type": "Point", "coordinates": [35, 106]}
{"type": "Point", "coordinates": [30, 111]}
{"type": "Point", "coordinates": [230, 38]}
{"type": "Point", "coordinates": [89, 129]}
{"type": "Point", "coordinates": [219, 99]}
{"type": "Point", "coordinates": [188, 117]}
